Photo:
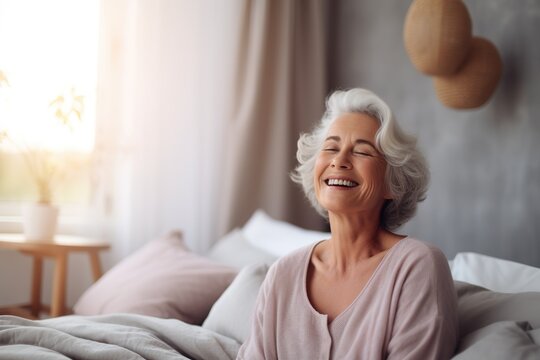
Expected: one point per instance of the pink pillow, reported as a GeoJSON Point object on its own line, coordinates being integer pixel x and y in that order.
{"type": "Point", "coordinates": [162, 279]}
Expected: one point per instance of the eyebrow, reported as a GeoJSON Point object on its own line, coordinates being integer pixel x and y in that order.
{"type": "Point", "coordinates": [358, 141]}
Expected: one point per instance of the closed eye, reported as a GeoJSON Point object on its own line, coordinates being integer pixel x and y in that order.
{"type": "Point", "coordinates": [363, 153]}
{"type": "Point", "coordinates": [330, 149]}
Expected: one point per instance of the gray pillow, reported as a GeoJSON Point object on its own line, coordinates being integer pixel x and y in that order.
{"type": "Point", "coordinates": [234, 250]}
{"type": "Point", "coordinates": [478, 307]}
{"type": "Point", "coordinates": [499, 341]}
{"type": "Point", "coordinates": [232, 313]}
{"type": "Point", "coordinates": [535, 335]}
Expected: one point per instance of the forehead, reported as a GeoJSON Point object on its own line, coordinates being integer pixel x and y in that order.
{"type": "Point", "coordinates": [357, 125]}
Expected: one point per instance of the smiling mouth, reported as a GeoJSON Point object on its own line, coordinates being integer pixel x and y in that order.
{"type": "Point", "coordinates": [341, 183]}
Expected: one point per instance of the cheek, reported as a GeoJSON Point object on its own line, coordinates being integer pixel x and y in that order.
{"type": "Point", "coordinates": [374, 178]}
{"type": "Point", "coordinates": [371, 190]}
{"type": "Point", "coordinates": [319, 168]}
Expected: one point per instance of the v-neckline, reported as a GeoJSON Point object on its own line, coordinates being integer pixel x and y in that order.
{"type": "Point", "coordinates": [359, 295]}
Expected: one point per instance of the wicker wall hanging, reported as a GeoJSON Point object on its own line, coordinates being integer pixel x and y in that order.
{"type": "Point", "coordinates": [438, 39]}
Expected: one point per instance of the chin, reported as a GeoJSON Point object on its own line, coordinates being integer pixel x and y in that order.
{"type": "Point", "coordinates": [336, 208]}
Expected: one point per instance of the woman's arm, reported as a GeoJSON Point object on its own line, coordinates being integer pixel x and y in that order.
{"type": "Point", "coordinates": [426, 324]}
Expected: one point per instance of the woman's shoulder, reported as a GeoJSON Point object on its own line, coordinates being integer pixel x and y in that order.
{"type": "Point", "coordinates": [294, 262]}
{"type": "Point", "coordinates": [421, 253]}
{"type": "Point", "coordinates": [296, 258]}
{"type": "Point", "coordinates": [421, 266]}
{"type": "Point", "coordinates": [289, 269]}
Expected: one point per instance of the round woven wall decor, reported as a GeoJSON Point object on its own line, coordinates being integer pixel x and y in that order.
{"type": "Point", "coordinates": [437, 35]}
{"type": "Point", "coordinates": [474, 83]}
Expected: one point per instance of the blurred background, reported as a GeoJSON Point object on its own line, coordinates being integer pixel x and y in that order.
{"type": "Point", "coordinates": [180, 114]}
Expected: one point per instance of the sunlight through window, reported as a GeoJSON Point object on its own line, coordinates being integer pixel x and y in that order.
{"type": "Point", "coordinates": [48, 65]}
{"type": "Point", "coordinates": [48, 49]}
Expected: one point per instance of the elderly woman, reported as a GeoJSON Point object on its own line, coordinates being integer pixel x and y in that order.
{"type": "Point", "coordinates": [367, 292]}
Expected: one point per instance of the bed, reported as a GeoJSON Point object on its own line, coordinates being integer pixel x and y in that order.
{"type": "Point", "coordinates": [165, 302]}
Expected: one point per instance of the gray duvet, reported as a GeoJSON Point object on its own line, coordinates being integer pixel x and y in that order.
{"type": "Point", "coordinates": [492, 326]}
{"type": "Point", "coordinates": [111, 337]}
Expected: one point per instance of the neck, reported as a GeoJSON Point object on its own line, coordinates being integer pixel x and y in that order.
{"type": "Point", "coordinates": [355, 237]}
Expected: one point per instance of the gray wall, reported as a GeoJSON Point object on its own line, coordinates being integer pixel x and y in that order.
{"type": "Point", "coordinates": [485, 163]}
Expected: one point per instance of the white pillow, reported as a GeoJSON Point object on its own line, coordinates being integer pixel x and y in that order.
{"type": "Point", "coordinates": [495, 274]}
{"type": "Point", "coordinates": [232, 313]}
{"type": "Point", "coordinates": [278, 237]}
{"type": "Point", "coordinates": [233, 249]}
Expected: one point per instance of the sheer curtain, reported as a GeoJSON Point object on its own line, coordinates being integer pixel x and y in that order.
{"type": "Point", "coordinates": [199, 106]}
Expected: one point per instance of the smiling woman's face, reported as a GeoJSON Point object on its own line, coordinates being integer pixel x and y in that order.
{"type": "Point", "coordinates": [349, 170]}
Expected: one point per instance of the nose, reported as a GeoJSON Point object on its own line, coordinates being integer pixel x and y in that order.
{"type": "Point", "coordinates": [341, 161]}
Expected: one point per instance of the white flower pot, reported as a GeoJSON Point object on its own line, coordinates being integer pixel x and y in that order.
{"type": "Point", "coordinates": [39, 221]}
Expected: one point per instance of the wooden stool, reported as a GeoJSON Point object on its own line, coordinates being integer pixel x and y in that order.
{"type": "Point", "coordinates": [58, 250]}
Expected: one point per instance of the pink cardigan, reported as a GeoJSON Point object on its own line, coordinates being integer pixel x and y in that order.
{"type": "Point", "coordinates": [407, 310]}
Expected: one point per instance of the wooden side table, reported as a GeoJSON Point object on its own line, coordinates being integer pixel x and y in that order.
{"type": "Point", "coordinates": [58, 250]}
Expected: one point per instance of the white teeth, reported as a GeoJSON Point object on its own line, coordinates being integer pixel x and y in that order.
{"type": "Point", "coordinates": [341, 182]}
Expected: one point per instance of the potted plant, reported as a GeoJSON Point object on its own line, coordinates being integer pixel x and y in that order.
{"type": "Point", "coordinates": [40, 218]}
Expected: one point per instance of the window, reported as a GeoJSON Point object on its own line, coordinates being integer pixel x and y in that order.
{"type": "Point", "coordinates": [48, 65]}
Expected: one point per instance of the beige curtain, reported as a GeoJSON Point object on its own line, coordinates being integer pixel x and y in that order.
{"type": "Point", "coordinates": [280, 89]}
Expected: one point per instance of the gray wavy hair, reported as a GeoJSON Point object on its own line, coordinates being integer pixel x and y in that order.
{"type": "Point", "coordinates": [407, 174]}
